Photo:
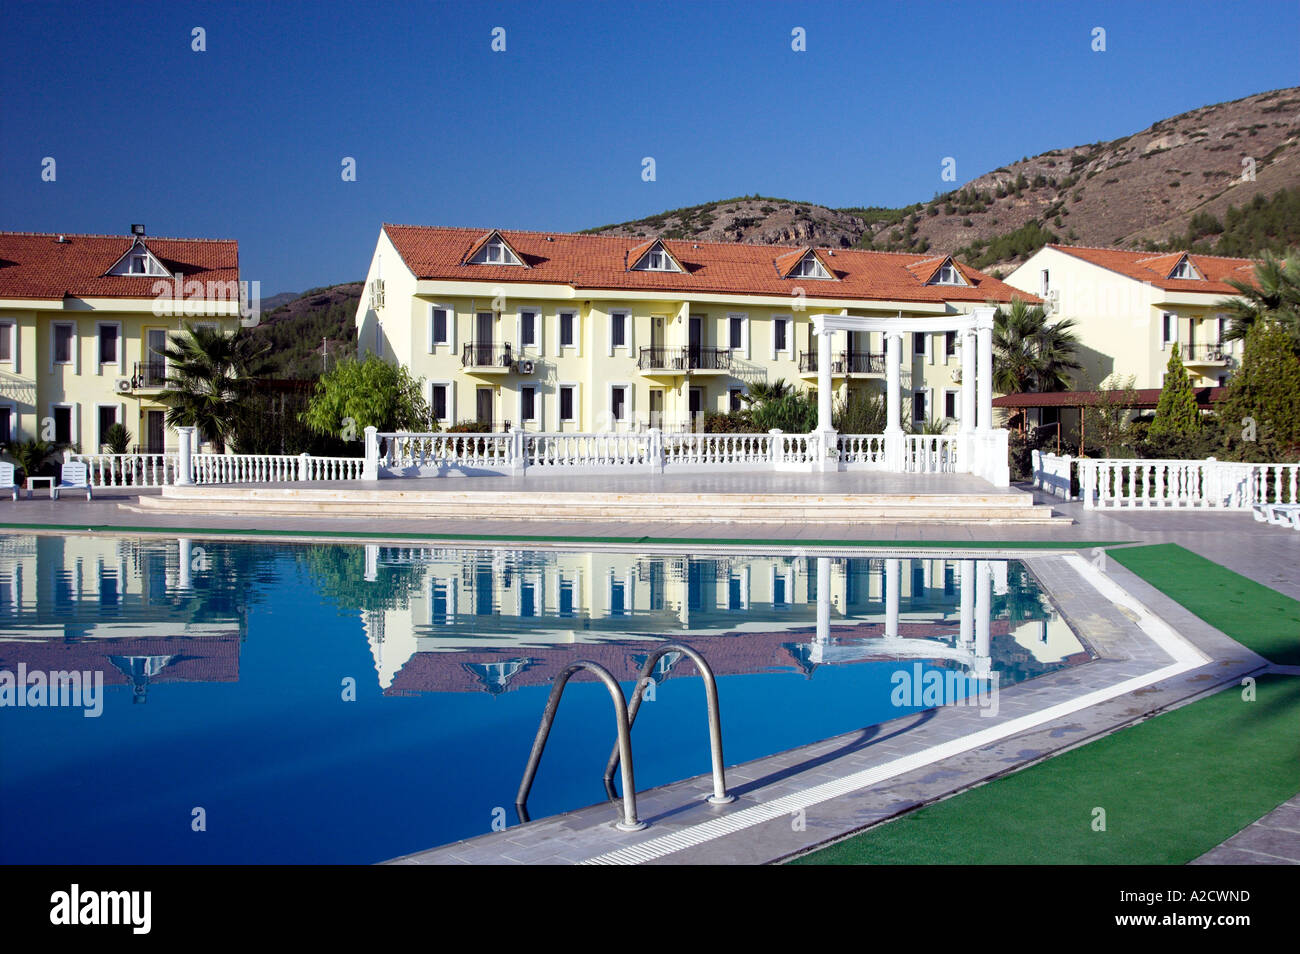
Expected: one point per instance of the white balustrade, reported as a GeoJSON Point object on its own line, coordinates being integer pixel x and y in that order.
{"type": "Point", "coordinates": [1185, 484]}
{"type": "Point", "coordinates": [862, 451]}
{"type": "Point", "coordinates": [709, 450]}
{"type": "Point", "coordinates": [569, 451]}
{"type": "Point", "coordinates": [128, 470]}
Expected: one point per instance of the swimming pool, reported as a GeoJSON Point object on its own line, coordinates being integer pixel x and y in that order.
{"type": "Point", "coordinates": [344, 703]}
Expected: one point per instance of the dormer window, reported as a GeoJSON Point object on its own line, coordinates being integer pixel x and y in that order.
{"type": "Point", "coordinates": [947, 275]}
{"type": "Point", "coordinates": [810, 267]}
{"type": "Point", "coordinates": [138, 261]}
{"type": "Point", "coordinates": [655, 259]}
{"type": "Point", "coordinates": [1184, 269]}
{"type": "Point", "coordinates": [495, 251]}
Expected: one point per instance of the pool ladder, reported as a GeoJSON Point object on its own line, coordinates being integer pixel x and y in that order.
{"type": "Point", "coordinates": [624, 717]}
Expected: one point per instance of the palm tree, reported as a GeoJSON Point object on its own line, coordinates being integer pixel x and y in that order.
{"type": "Point", "coordinates": [1274, 295]}
{"type": "Point", "coordinates": [210, 378]}
{"type": "Point", "coordinates": [31, 455]}
{"type": "Point", "coordinates": [761, 391]}
{"type": "Point", "coordinates": [1029, 354]}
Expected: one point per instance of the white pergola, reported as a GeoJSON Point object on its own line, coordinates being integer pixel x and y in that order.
{"type": "Point", "coordinates": [975, 416]}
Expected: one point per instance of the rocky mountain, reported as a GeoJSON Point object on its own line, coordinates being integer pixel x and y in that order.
{"type": "Point", "coordinates": [1135, 192]}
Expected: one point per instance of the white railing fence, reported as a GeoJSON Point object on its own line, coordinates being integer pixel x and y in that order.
{"type": "Point", "coordinates": [1167, 484]}
{"type": "Point", "coordinates": [404, 454]}
{"type": "Point", "coordinates": [161, 470]}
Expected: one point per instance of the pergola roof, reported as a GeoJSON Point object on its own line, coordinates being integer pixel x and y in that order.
{"type": "Point", "coordinates": [1143, 398]}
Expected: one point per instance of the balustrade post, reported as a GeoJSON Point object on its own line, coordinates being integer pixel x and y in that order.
{"type": "Point", "coordinates": [184, 456]}
{"type": "Point", "coordinates": [516, 452]}
{"type": "Point", "coordinates": [304, 466]}
{"type": "Point", "coordinates": [656, 452]}
{"type": "Point", "coordinates": [370, 470]}
{"type": "Point", "coordinates": [775, 453]}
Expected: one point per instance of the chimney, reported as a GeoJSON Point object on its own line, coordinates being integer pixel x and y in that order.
{"type": "Point", "coordinates": [137, 229]}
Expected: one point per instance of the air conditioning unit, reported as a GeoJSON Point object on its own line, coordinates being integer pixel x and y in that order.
{"type": "Point", "coordinates": [377, 294]}
{"type": "Point", "coordinates": [955, 374]}
{"type": "Point", "coordinates": [525, 367]}
{"type": "Point", "coordinates": [1052, 303]}
{"type": "Point", "coordinates": [123, 385]}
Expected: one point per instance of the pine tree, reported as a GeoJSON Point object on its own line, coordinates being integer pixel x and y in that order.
{"type": "Point", "coordinates": [1177, 414]}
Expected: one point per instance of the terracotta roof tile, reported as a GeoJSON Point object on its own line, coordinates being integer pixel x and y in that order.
{"type": "Point", "coordinates": [37, 265]}
{"type": "Point", "coordinates": [1146, 267]}
{"type": "Point", "coordinates": [601, 262]}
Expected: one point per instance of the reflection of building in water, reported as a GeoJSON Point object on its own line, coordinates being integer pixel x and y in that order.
{"type": "Point", "coordinates": [132, 609]}
{"type": "Point", "coordinates": [493, 620]}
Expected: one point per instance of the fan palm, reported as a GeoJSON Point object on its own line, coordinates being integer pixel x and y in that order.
{"type": "Point", "coordinates": [1029, 353]}
{"type": "Point", "coordinates": [1274, 295]}
{"type": "Point", "coordinates": [210, 376]}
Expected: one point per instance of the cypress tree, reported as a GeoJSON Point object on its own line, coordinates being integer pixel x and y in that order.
{"type": "Point", "coordinates": [1261, 410]}
{"type": "Point", "coordinates": [1177, 414]}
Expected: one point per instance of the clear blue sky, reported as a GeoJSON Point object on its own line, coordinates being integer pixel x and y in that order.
{"type": "Point", "coordinates": [245, 140]}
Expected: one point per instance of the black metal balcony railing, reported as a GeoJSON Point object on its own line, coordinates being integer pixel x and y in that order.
{"type": "Point", "coordinates": [864, 362]}
{"type": "Point", "coordinates": [669, 359]}
{"type": "Point", "coordinates": [149, 374]}
{"type": "Point", "coordinates": [854, 362]}
{"type": "Point", "coordinates": [487, 356]}
{"type": "Point", "coordinates": [1207, 352]}
{"type": "Point", "coordinates": [684, 359]}
{"type": "Point", "coordinates": [708, 359]}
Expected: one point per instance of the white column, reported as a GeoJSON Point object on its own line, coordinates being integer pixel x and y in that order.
{"type": "Point", "coordinates": [966, 587]}
{"type": "Point", "coordinates": [893, 398]}
{"type": "Point", "coordinates": [967, 382]}
{"type": "Point", "coordinates": [984, 371]}
{"type": "Point", "coordinates": [892, 573]}
{"type": "Point", "coordinates": [824, 385]}
{"type": "Point", "coordinates": [370, 468]}
{"type": "Point", "coordinates": [185, 563]}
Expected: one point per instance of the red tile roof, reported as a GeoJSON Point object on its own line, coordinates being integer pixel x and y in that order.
{"type": "Point", "coordinates": [601, 262]}
{"type": "Point", "coordinates": [1141, 398]}
{"type": "Point", "coordinates": [37, 265]}
{"type": "Point", "coordinates": [1155, 268]}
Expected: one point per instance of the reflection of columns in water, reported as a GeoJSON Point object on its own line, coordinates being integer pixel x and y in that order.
{"type": "Point", "coordinates": [823, 599]}
{"type": "Point", "coordinates": [892, 573]}
{"type": "Point", "coordinates": [967, 589]}
{"type": "Point", "coordinates": [983, 612]}
{"type": "Point", "coordinates": [183, 579]}
{"type": "Point", "coordinates": [372, 562]}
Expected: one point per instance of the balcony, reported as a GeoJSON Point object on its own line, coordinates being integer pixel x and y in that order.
{"type": "Point", "coordinates": [149, 375]}
{"type": "Point", "coordinates": [662, 359]}
{"type": "Point", "coordinates": [488, 358]}
{"type": "Point", "coordinates": [864, 362]}
{"type": "Point", "coordinates": [808, 363]}
{"type": "Point", "coordinates": [1207, 354]}
{"type": "Point", "coordinates": [708, 359]}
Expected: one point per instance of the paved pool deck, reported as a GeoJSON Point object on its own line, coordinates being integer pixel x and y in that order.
{"type": "Point", "coordinates": [793, 801]}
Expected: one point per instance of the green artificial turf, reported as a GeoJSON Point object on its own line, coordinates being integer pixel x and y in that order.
{"type": "Point", "coordinates": [1172, 788]}
{"type": "Point", "coordinates": [1260, 618]}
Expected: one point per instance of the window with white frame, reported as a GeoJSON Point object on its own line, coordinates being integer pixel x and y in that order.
{"type": "Point", "coordinates": [920, 343]}
{"type": "Point", "coordinates": [110, 343]}
{"type": "Point", "coordinates": [781, 337]}
{"type": "Point", "coordinates": [618, 402]}
{"type": "Point", "coordinates": [1184, 269]}
{"type": "Point", "coordinates": [379, 339]}
{"type": "Point", "coordinates": [529, 328]}
{"type": "Point", "coordinates": [7, 348]}
{"type": "Point", "coordinates": [568, 330]}
{"type": "Point", "coordinates": [618, 330]}
{"type": "Point", "coordinates": [528, 403]}
{"type": "Point", "coordinates": [735, 400]}
{"type": "Point", "coordinates": [1168, 328]}
{"type": "Point", "coordinates": [62, 415]}
{"type": "Point", "coordinates": [920, 406]}
{"type": "Point", "coordinates": [440, 324]}
{"type": "Point", "coordinates": [8, 423]}
{"type": "Point", "coordinates": [440, 401]}
{"type": "Point", "coordinates": [64, 340]}
{"type": "Point", "coordinates": [657, 260]}
{"type": "Point", "coordinates": [738, 332]}
{"type": "Point", "coordinates": [950, 403]}
{"type": "Point", "coordinates": [568, 409]}
{"type": "Point", "coordinates": [106, 417]}
{"type": "Point", "coordinates": [1221, 325]}
{"type": "Point", "coordinates": [1044, 283]}
{"type": "Point", "coordinates": [950, 344]}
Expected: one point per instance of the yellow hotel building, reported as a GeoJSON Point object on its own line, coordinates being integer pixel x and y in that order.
{"type": "Point", "coordinates": [83, 321]}
{"type": "Point", "coordinates": [558, 332]}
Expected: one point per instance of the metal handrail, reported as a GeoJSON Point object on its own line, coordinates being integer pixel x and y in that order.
{"type": "Point", "coordinates": [629, 820]}
{"type": "Point", "coordinates": [719, 796]}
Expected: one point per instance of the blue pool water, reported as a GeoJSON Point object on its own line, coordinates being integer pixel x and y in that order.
{"type": "Point", "coordinates": [313, 703]}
